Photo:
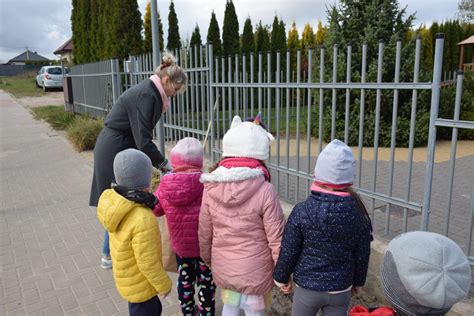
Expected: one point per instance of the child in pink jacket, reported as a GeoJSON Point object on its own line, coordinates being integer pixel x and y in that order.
{"type": "Point", "coordinates": [180, 195]}
{"type": "Point", "coordinates": [241, 221]}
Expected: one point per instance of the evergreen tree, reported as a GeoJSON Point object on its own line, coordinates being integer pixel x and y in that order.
{"type": "Point", "coordinates": [278, 43]}
{"type": "Point", "coordinates": [293, 45]}
{"type": "Point", "coordinates": [230, 30]}
{"type": "Point", "coordinates": [76, 30]}
{"type": "Point", "coordinates": [174, 40]}
{"type": "Point", "coordinates": [94, 43]}
{"type": "Point", "coordinates": [262, 39]}
{"type": "Point", "coordinates": [196, 37]}
{"type": "Point", "coordinates": [248, 43]}
{"type": "Point", "coordinates": [353, 22]}
{"type": "Point", "coordinates": [320, 34]}
{"type": "Point", "coordinates": [248, 39]}
{"type": "Point", "coordinates": [262, 44]}
{"type": "Point", "coordinates": [307, 42]}
{"type": "Point", "coordinates": [214, 35]}
{"type": "Point", "coordinates": [148, 41]}
{"type": "Point", "coordinates": [126, 29]}
{"type": "Point", "coordinates": [81, 22]}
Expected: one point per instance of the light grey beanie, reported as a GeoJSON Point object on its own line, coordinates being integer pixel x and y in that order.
{"type": "Point", "coordinates": [335, 164]}
{"type": "Point", "coordinates": [132, 169]}
{"type": "Point", "coordinates": [424, 273]}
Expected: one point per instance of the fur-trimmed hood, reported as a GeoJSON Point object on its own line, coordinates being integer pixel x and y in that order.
{"type": "Point", "coordinates": [232, 186]}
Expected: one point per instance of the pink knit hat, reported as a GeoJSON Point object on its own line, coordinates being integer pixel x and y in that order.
{"type": "Point", "coordinates": [188, 152]}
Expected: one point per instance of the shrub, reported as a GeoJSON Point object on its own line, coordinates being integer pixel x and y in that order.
{"type": "Point", "coordinates": [83, 132]}
{"type": "Point", "coordinates": [55, 115]}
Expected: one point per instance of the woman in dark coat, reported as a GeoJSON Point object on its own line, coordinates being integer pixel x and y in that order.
{"type": "Point", "coordinates": [130, 124]}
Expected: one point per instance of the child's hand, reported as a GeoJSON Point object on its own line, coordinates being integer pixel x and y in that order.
{"type": "Point", "coordinates": [164, 295]}
{"type": "Point", "coordinates": [287, 288]}
{"type": "Point", "coordinates": [356, 290]}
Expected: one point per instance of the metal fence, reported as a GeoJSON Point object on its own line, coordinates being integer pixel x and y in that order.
{"type": "Point", "coordinates": [402, 194]}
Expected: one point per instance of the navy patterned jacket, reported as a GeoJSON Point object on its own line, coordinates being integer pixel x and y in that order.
{"type": "Point", "coordinates": [326, 244]}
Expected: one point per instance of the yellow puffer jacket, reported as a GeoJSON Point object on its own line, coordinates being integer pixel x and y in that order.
{"type": "Point", "coordinates": [135, 247]}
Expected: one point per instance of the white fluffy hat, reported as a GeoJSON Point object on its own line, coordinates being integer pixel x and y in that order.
{"type": "Point", "coordinates": [335, 164]}
{"type": "Point", "coordinates": [246, 139]}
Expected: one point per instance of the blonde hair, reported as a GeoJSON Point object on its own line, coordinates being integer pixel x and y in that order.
{"type": "Point", "coordinates": [169, 68]}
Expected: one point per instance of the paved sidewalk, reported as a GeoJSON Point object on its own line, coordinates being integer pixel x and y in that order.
{"type": "Point", "coordinates": [50, 240]}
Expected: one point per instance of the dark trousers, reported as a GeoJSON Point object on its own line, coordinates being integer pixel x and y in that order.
{"type": "Point", "coordinates": [152, 307]}
{"type": "Point", "coordinates": [190, 272]}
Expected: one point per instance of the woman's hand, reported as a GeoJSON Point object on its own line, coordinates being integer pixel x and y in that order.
{"type": "Point", "coordinates": [164, 295]}
{"type": "Point", "coordinates": [165, 166]}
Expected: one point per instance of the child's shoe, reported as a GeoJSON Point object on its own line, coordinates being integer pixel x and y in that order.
{"type": "Point", "coordinates": [106, 262]}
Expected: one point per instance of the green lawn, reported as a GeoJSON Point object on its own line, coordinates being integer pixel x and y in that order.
{"type": "Point", "coordinates": [21, 86]}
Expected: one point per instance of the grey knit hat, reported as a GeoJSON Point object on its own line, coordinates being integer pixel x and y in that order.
{"type": "Point", "coordinates": [132, 169]}
{"type": "Point", "coordinates": [424, 273]}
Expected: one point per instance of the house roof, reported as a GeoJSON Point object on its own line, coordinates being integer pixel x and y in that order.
{"type": "Point", "coordinates": [66, 47]}
{"type": "Point", "coordinates": [467, 41]}
{"type": "Point", "coordinates": [28, 56]}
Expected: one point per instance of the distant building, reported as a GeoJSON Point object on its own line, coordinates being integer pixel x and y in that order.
{"type": "Point", "coordinates": [27, 56]}
{"type": "Point", "coordinates": [66, 51]}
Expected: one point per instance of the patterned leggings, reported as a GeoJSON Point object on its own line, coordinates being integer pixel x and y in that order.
{"type": "Point", "coordinates": [190, 272]}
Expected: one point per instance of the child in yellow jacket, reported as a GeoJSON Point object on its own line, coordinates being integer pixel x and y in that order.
{"type": "Point", "coordinates": [135, 246]}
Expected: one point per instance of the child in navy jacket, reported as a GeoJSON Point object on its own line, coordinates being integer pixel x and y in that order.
{"type": "Point", "coordinates": [326, 242]}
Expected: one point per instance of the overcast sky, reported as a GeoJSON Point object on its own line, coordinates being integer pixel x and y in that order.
{"type": "Point", "coordinates": [43, 26]}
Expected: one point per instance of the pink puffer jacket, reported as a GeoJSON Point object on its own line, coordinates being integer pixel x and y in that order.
{"type": "Point", "coordinates": [180, 196]}
{"type": "Point", "coordinates": [240, 229]}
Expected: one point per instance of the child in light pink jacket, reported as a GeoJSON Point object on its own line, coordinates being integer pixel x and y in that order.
{"type": "Point", "coordinates": [241, 221]}
{"type": "Point", "coordinates": [179, 198]}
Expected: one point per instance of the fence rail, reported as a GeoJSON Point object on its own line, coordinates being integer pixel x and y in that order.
{"type": "Point", "coordinates": [306, 106]}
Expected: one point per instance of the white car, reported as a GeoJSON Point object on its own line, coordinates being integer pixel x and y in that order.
{"type": "Point", "coordinates": [50, 77]}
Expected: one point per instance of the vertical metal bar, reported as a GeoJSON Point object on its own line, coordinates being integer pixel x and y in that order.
{"type": "Point", "coordinates": [203, 90]}
{"type": "Point", "coordinates": [298, 94]}
{"type": "Point", "coordinates": [435, 93]}
{"type": "Point", "coordinates": [198, 94]}
{"type": "Point", "coordinates": [223, 93]}
{"type": "Point", "coordinates": [334, 80]}
{"type": "Point", "coordinates": [193, 84]}
{"type": "Point", "coordinates": [277, 120]}
{"type": "Point", "coordinates": [378, 98]}
{"type": "Point", "coordinates": [308, 118]}
{"type": "Point", "coordinates": [348, 93]}
{"type": "Point", "coordinates": [252, 76]}
{"type": "Point", "coordinates": [236, 89]}
{"type": "Point", "coordinates": [229, 90]}
{"type": "Point", "coordinates": [411, 141]}
{"type": "Point", "coordinates": [156, 62]}
{"type": "Point", "coordinates": [217, 142]}
{"type": "Point", "coordinates": [188, 100]}
{"type": "Point", "coordinates": [321, 101]}
{"type": "Point", "coordinates": [362, 112]}
{"type": "Point", "coordinates": [287, 124]}
{"type": "Point", "coordinates": [470, 226]}
{"type": "Point", "coordinates": [454, 141]}
{"type": "Point", "coordinates": [210, 107]}
{"type": "Point", "coordinates": [269, 99]}
{"type": "Point", "coordinates": [393, 139]}
{"type": "Point", "coordinates": [260, 73]}
{"type": "Point", "coordinates": [244, 80]}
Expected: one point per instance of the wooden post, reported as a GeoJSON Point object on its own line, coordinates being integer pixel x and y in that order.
{"type": "Point", "coordinates": [461, 58]}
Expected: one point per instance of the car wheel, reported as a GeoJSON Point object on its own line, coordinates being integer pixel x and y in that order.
{"type": "Point", "coordinates": [36, 84]}
{"type": "Point", "coordinates": [44, 87]}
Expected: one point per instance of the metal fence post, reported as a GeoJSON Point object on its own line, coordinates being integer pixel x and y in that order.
{"type": "Point", "coordinates": [160, 130]}
{"type": "Point", "coordinates": [115, 79]}
{"type": "Point", "coordinates": [210, 106]}
{"type": "Point", "coordinates": [435, 94]}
